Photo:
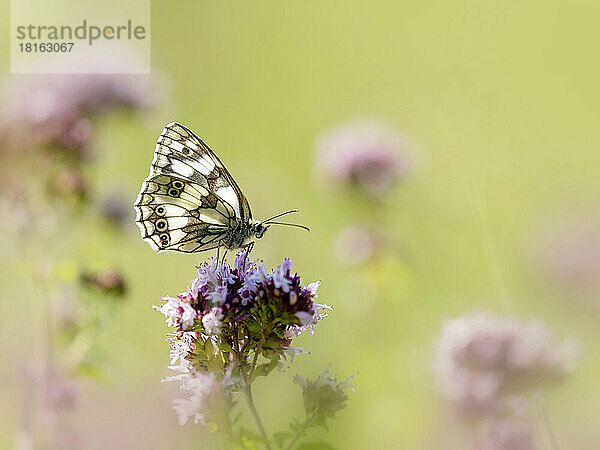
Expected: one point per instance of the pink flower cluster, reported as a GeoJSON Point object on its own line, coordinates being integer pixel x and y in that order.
{"type": "Point", "coordinates": [227, 309]}
{"type": "Point", "coordinates": [486, 363]}
{"type": "Point", "coordinates": [205, 392]}
{"type": "Point", "coordinates": [55, 109]}
{"type": "Point", "coordinates": [366, 155]}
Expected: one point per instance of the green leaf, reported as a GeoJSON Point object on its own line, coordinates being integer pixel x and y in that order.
{"type": "Point", "coordinates": [225, 347]}
{"type": "Point", "coordinates": [279, 332]}
{"type": "Point", "coordinates": [262, 370]}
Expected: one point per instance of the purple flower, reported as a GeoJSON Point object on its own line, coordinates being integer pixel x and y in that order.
{"type": "Point", "coordinates": [246, 288]}
{"type": "Point", "coordinates": [233, 324]}
{"type": "Point", "coordinates": [482, 358]}
{"type": "Point", "coordinates": [245, 302]}
{"type": "Point", "coordinates": [207, 273]}
{"type": "Point", "coordinates": [211, 321]}
{"type": "Point", "coordinates": [54, 109]}
{"type": "Point", "coordinates": [281, 277]}
{"type": "Point", "coordinates": [179, 312]}
{"type": "Point", "coordinates": [218, 295]}
{"type": "Point", "coordinates": [363, 154]}
{"type": "Point", "coordinates": [305, 318]}
{"type": "Point", "coordinates": [485, 367]}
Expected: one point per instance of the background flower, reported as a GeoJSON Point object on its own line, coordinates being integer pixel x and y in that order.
{"type": "Point", "coordinates": [487, 364]}
{"type": "Point", "coordinates": [364, 154]}
{"type": "Point", "coordinates": [481, 358]}
{"type": "Point", "coordinates": [55, 109]}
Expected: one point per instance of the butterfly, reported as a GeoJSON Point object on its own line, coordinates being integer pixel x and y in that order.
{"type": "Point", "coordinates": [191, 203]}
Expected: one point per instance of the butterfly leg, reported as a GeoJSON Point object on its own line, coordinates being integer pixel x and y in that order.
{"type": "Point", "coordinates": [224, 255]}
{"type": "Point", "coordinates": [249, 246]}
{"type": "Point", "coordinates": [218, 250]}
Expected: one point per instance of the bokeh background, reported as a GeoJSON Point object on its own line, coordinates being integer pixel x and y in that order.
{"type": "Point", "coordinates": [499, 211]}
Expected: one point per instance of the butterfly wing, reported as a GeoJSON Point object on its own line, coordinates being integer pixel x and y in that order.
{"type": "Point", "coordinates": [189, 201]}
{"type": "Point", "coordinates": [183, 146]}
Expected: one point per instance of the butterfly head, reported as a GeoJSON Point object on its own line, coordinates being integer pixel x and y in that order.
{"type": "Point", "coordinates": [259, 229]}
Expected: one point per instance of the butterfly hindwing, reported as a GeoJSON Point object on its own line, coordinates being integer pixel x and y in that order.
{"type": "Point", "coordinates": [189, 201]}
{"type": "Point", "coordinates": [171, 220]}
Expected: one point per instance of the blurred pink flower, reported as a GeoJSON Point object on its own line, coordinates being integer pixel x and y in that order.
{"type": "Point", "coordinates": [208, 398]}
{"type": "Point", "coordinates": [199, 387]}
{"type": "Point", "coordinates": [363, 154]}
{"type": "Point", "coordinates": [69, 182]}
{"type": "Point", "coordinates": [569, 256]}
{"type": "Point", "coordinates": [59, 393]}
{"type": "Point", "coordinates": [482, 358]}
{"type": "Point", "coordinates": [41, 109]}
{"type": "Point", "coordinates": [76, 134]}
{"type": "Point", "coordinates": [109, 281]}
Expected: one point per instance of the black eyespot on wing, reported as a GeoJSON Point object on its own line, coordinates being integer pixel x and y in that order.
{"type": "Point", "coordinates": [174, 192]}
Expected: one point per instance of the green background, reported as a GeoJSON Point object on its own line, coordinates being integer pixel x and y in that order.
{"type": "Point", "coordinates": [501, 103]}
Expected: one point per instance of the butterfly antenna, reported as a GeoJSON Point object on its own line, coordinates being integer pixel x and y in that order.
{"type": "Point", "coordinates": [290, 225]}
{"type": "Point", "coordinates": [281, 214]}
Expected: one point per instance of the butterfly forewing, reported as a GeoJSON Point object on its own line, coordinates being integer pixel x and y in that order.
{"type": "Point", "coordinates": [189, 201]}
{"type": "Point", "coordinates": [190, 155]}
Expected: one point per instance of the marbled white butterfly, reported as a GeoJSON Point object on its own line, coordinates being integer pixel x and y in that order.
{"type": "Point", "coordinates": [190, 202]}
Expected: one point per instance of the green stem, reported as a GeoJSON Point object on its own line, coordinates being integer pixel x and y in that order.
{"type": "Point", "coordinates": [256, 354]}
{"type": "Point", "coordinates": [247, 389]}
{"type": "Point", "coordinates": [255, 416]}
